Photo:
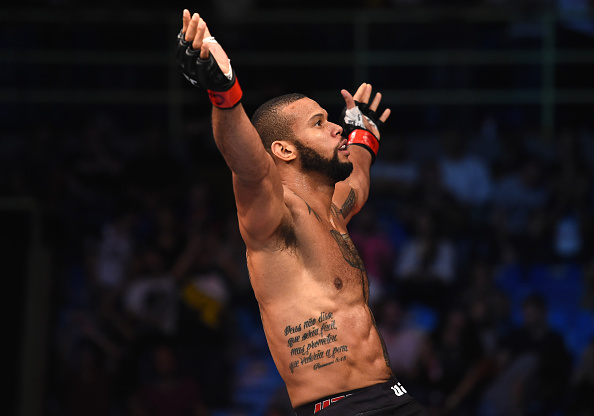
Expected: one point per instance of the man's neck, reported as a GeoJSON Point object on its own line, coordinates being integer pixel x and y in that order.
{"type": "Point", "coordinates": [315, 190]}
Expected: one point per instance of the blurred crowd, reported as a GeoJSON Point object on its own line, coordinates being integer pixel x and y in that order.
{"type": "Point", "coordinates": [478, 242]}
{"type": "Point", "coordinates": [487, 309]}
{"type": "Point", "coordinates": [478, 247]}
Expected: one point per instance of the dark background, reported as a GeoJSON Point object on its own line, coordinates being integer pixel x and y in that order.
{"type": "Point", "coordinates": [111, 187]}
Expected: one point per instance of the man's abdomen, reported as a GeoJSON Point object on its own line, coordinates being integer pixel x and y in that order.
{"type": "Point", "coordinates": [325, 350]}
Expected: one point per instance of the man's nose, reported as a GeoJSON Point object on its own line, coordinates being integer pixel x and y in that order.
{"type": "Point", "coordinates": [337, 129]}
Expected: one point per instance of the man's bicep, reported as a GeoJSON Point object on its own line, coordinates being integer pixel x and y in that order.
{"type": "Point", "coordinates": [260, 205]}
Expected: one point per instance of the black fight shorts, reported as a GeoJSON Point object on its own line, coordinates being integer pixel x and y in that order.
{"type": "Point", "coordinates": [384, 399]}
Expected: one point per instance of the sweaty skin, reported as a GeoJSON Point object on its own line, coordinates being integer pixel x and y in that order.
{"type": "Point", "coordinates": [313, 291]}
{"type": "Point", "coordinates": [308, 279]}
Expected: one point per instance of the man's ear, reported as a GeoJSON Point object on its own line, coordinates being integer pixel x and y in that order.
{"type": "Point", "coordinates": [283, 150]}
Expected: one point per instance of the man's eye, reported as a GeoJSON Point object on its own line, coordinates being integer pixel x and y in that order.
{"type": "Point", "coordinates": [318, 123]}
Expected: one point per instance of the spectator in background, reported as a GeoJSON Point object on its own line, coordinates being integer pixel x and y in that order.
{"type": "Point", "coordinates": [113, 256]}
{"type": "Point", "coordinates": [276, 410]}
{"type": "Point", "coordinates": [518, 194]}
{"type": "Point", "coordinates": [487, 315]}
{"type": "Point", "coordinates": [457, 349]}
{"type": "Point", "coordinates": [510, 155]}
{"type": "Point", "coordinates": [407, 347]}
{"type": "Point", "coordinates": [587, 300]}
{"type": "Point", "coordinates": [204, 313]}
{"type": "Point", "coordinates": [519, 211]}
{"type": "Point", "coordinates": [486, 305]}
{"type": "Point", "coordinates": [533, 368]}
{"type": "Point", "coordinates": [466, 176]}
{"type": "Point", "coordinates": [578, 18]}
{"type": "Point", "coordinates": [582, 385]}
{"type": "Point", "coordinates": [93, 351]}
{"type": "Point", "coordinates": [167, 392]}
{"type": "Point", "coordinates": [397, 172]}
{"type": "Point", "coordinates": [430, 193]}
{"type": "Point", "coordinates": [280, 405]}
{"type": "Point", "coordinates": [151, 296]}
{"type": "Point", "coordinates": [426, 267]}
{"type": "Point", "coordinates": [88, 387]}
{"type": "Point", "coordinates": [165, 234]}
{"type": "Point", "coordinates": [570, 206]}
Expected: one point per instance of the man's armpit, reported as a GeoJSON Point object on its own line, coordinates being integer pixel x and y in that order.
{"type": "Point", "coordinates": [285, 234]}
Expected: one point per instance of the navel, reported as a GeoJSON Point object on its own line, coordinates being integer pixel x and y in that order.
{"type": "Point", "coordinates": [338, 283]}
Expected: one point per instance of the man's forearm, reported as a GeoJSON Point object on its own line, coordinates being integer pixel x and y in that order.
{"type": "Point", "coordinates": [360, 178]}
{"type": "Point", "coordinates": [206, 65]}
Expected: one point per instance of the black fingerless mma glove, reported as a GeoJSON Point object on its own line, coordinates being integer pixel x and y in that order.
{"type": "Point", "coordinates": [355, 131]}
{"type": "Point", "coordinates": [223, 92]}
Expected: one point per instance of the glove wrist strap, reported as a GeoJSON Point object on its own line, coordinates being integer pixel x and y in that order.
{"type": "Point", "coordinates": [366, 140]}
{"type": "Point", "coordinates": [226, 99]}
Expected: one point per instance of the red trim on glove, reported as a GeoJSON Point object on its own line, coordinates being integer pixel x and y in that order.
{"type": "Point", "coordinates": [366, 139]}
{"type": "Point", "coordinates": [226, 99]}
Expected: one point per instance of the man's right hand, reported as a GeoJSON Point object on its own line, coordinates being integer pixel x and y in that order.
{"type": "Point", "coordinates": [195, 31]}
{"type": "Point", "coordinates": [205, 64]}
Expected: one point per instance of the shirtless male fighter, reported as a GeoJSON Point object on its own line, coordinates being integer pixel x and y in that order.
{"type": "Point", "coordinates": [297, 184]}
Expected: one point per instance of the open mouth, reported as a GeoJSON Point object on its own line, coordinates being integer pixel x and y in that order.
{"type": "Point", "coordinates": [343, 146]}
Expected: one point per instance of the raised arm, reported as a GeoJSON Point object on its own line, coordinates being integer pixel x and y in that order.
{"type": "Point", "coordinates": [361, 126]}
{"type": "Point", "coordinates": [257, 185]}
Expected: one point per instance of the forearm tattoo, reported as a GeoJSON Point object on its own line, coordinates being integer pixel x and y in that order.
{"type": "Point", "coordinates": [347, 206]}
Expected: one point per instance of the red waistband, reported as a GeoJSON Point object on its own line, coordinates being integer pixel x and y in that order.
{"type": "Point", "coordinates": [325, 403]}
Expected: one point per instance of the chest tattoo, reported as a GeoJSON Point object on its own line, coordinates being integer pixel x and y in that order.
{"type": "Point", "coordinates": [348, 250]}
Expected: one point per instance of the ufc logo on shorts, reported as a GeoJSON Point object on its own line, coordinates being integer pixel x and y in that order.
{"type": "Point", "coordinates": [322, 405]}
{"type": "Point", "coordinates": [398, 389]}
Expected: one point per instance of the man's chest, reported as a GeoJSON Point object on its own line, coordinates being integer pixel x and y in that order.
{"type": "Point", "coordinates": [330, 255]}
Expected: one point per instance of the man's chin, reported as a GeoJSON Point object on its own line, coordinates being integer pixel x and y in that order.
{"type": "Point", "coordinates": [333, 168]}
{"type": "Point", "coordinates": [342, 171]}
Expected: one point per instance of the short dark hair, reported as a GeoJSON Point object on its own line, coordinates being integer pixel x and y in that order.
{"type": "Point", "coordinates": [270, 121]}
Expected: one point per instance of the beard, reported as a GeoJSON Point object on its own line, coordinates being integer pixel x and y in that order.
{"type": "Point", "coordinates": [312, 161]}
